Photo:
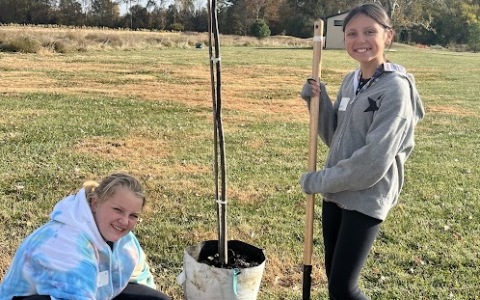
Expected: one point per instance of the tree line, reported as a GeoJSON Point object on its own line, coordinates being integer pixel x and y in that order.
{"type": "Point", "coordinates": [431, 22]}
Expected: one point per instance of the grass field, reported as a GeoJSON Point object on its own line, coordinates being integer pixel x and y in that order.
{"type": "Point", "coordinates": [67, 118]}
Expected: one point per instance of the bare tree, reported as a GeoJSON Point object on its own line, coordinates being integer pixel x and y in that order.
{"type": "Point", "coordinates": [406, 14]}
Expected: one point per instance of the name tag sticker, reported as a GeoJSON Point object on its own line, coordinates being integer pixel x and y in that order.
{"type": "Point", "coordinates": [102, 279]}
{"type": "Point", "coordinates": [344, 103]}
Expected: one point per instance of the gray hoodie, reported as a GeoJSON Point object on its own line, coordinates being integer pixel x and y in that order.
{"type": "Point", "coordinates": [370, 136]}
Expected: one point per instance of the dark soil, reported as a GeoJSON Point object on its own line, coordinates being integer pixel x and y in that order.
{"type": "Point", "coordinates": [235, 260]}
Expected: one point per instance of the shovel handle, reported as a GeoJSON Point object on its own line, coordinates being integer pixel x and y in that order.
{"type": "Point", "coordinates": [312, 159]}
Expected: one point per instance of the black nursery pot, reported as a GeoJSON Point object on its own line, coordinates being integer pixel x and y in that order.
{"type": "Point", "coordinates": [204, 277]}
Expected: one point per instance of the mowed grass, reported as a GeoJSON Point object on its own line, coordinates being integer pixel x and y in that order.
{"type": "Point", "coordinates": [68, 118]}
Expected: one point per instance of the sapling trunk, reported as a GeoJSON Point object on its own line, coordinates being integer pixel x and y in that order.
{"type": "Point", "coordinates": [219, 142]}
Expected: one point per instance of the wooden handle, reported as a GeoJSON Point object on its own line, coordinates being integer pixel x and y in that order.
{"type": "Point", "coordinates": [312, 158]}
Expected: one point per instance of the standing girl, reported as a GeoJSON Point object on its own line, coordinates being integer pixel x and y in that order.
{"type": "Point", "coordinates": [87, 251]}
{"type": "Point", "coordinates": [370, 132]}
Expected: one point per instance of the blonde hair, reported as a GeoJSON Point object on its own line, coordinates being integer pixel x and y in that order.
{"type": "Point", "coordinates": [106, 188]}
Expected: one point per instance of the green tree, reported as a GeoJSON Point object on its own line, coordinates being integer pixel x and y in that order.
{"type": "Point", "coordinates": [185, 9]}
{"type": "Point", "coordinates": [299, 15]}
{"type": "Point", "coordinates": [474, 36]}
{"type": "Point", "coordinates": [13, 11]}
{"type": "Point", "coordinates": [104, 13]}
{"type": "Point", "coordinates": [266, 10]}
{"type": "Point", "coordinates": [200, 20]}
{"type": "Point", "coordinates": [172, 16]}
{"type": "Point", "coordinates": [158, 18]}
{"type": "Point", "coordinates": [40, 12]}
{"type": "Point", "coordinates": [69, 13]}
{"type": "Point", "coordinates": [447, 25]}
{"type": "Point", "coordinates": [260, 29]}
{"type": "Point", "coordinates": [238, 18]}
{"type": "Point", "coordinates": [139, 16]}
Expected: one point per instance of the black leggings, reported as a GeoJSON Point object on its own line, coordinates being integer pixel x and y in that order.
{"type": "Point", "coordinates": [131, 292]}
{"type": "Point", "coordinates": [348, 237]}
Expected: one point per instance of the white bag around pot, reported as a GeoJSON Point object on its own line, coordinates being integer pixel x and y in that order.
{"type": "Point", "coordinates": [204, 282]}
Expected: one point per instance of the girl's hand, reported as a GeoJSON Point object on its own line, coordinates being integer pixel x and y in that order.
{"type": "Point", "coordinates": [314, 86]}
{"type": "Point", "coordinates": [310, 89]}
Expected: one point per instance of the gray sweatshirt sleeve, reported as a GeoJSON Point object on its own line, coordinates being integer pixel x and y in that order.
{"type": "Point", "coordinates": [327, 116]}
{"type": "Point", "coordinates": [370, 161]}
{"type": "Point", "coordinates": [327, 121]}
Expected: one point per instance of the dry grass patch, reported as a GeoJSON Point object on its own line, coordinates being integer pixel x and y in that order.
{"type": "Point", "coordinates": [65, 39]}
{"type": "Point", "coordinates": [189, 85]}
{"type": "Point", "coordinates": [450, 110]}
{"type": "Point", "coordinates": [5, 258]}
{"type": "Point", "coordinates": [24, 81]}
{"type": "Point", "coordinates": [138, 152]}
{"type": "Point", "coordinates": [132, 149]}
{"type": "Point", "coordinates": [282, 272]}
{"type": "Point", "coordinates": [15, 115]}
{"type": "Point", "coordinates": [247, 195]}
{"type": "Point", "coordinates": [199, 235]}
{"type": "Point", "coordinates": [145, 156]}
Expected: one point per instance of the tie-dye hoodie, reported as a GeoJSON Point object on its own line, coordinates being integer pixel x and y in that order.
{"type": "Point", "coordinates": [67, 258]}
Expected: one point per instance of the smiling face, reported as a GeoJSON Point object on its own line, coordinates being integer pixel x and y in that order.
{"type": "Point", "coordinates": [365, 41]}
{"type": "Point", "coordinates": [117, 215]}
